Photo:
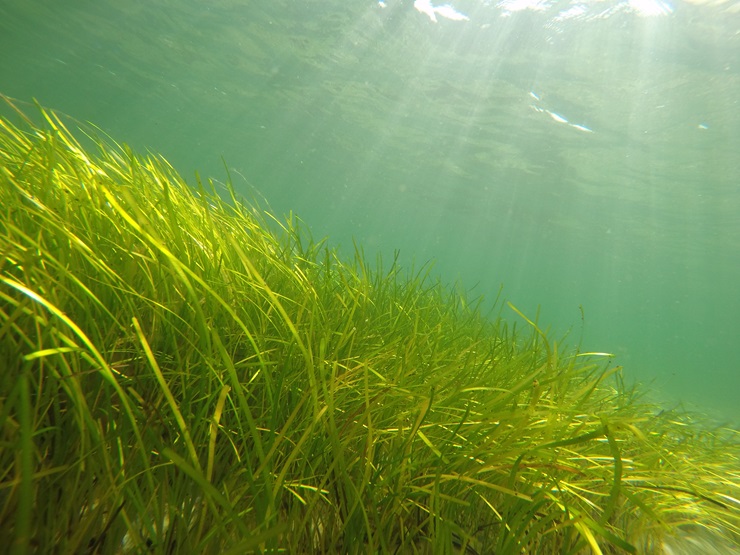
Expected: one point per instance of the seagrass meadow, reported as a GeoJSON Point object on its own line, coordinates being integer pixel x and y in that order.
{"type": "Point", "coordinates": [181, 372]}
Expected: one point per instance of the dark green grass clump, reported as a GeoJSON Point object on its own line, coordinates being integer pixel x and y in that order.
{"type": "Point", "coordinates": [177, 378]}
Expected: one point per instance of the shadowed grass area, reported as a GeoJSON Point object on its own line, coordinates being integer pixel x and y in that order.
{"type": "Point", "coordinates": [178, 377]}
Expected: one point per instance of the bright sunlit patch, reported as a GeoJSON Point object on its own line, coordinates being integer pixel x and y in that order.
{"type": "Point", "coordinates": [445, 10]}
{"type": "Point", "coordinates": [557, 117]}
{"type": "Point", "coordinates": [520, 5]}
{"type": "Point", "coordinates": [580, 127]}
{"type": "Point", "coordinates": [450, 13]}
{"type": "Point", "coordinates": [573, 12]}
{"type": "Point", "coordinates": [650, 8]}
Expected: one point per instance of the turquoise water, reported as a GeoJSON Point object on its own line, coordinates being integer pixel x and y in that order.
{"type": "Point", "coordinates": [584, 155]}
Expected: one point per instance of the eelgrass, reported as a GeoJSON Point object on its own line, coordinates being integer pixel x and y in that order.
{"type": "Point", "coordinates": [175, 377]}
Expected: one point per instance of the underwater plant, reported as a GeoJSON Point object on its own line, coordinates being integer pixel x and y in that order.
{"type": "Point", "coordinates": [181, 372]}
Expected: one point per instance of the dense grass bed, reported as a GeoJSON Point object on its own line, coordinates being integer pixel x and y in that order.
{"type": "Point", "coordinates": [175, 377]}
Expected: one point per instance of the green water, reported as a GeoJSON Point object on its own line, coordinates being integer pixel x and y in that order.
{"type": "Point", "coordinates": [585, 156]}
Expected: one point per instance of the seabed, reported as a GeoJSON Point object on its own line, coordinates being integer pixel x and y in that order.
{"type": "Point", "coordinates": [182, 372]}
